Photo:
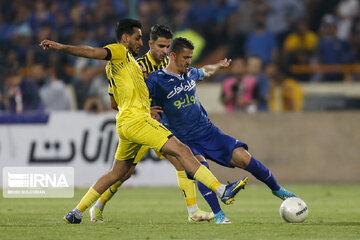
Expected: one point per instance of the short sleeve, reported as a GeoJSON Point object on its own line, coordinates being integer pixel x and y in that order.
{"type": "Point", "coordinates": [196, 74]}
{"type": "Point", "coordinates": [117, 51]}
{"type": "Point", "coordinates": [201, 74]}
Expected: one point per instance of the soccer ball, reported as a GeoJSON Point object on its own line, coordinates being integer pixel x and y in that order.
{"type": "Point", "coordinates": [293, 210]}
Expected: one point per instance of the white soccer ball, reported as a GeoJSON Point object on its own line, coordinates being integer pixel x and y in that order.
{"type": "Point", "coordinates": [293, 210]}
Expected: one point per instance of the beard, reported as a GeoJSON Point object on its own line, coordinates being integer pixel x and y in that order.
{"type": "Point", "coordinates": [184, 69]}
{"type": "Point", "coordinates": [134, 53]}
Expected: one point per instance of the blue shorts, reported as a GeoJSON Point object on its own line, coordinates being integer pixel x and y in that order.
{"type": "Point", "coordinates": [215, 146]}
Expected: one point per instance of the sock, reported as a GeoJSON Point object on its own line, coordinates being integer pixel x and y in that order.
{"type": "Point", "coordinates": [204, 176]}
{"type": "Point", "coordinates": [78, 213]}
{"type": "Point", "coordinates": [107, 195]}
{"type": "Point", "coordinates": [209, 195]}
{"type": "Point", "coordinates": [262, 173]}
{"type": "Point", "coordinates": [89, 198]}
{"type": "Point", "coordinates": [220, 191]}
{"type": "Point", "coordinates": [192, 209]}
{"type": "Point", "coordinates": [187, 186]}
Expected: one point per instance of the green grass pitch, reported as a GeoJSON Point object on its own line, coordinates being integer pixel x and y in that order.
{"type": "Point", "coordinates": [160, 213]}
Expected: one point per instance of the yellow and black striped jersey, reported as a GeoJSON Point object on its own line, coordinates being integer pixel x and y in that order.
{"type": "Point", "coordinates": [126, 83]}
{"type": "Point", "coordinates": [150, 65]}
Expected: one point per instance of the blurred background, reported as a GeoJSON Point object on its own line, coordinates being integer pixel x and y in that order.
{"type": "Point", "coordinates": [289, 55]}
{"type": "Point", "coordinates": [299, 56]}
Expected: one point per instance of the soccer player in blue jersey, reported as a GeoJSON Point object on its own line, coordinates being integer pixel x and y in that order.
{"type": "Point", "coordinates": [174, 89]}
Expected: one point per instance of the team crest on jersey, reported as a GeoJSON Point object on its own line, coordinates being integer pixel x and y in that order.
{"type": "Point", "coordinates": [186, 87]}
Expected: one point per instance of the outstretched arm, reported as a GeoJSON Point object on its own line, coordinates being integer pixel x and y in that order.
{"type": "Point", "coordinates": [209, 70]}
{"type": "Point", "coordinates": [81, 51]}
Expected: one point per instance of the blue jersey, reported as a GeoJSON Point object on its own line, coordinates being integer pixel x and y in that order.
{"type": "Point", "coordinates": [187, 119]}
{"type": "Point", "coordinates": [176, 94]}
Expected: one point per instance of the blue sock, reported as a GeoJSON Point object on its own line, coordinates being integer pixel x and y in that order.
{"type": "Point", "coordinates": [262, 173]}
{"type": "Point", "coordinates": [209, 195]}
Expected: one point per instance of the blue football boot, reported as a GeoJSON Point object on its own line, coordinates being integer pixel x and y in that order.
{"type": "Point", "coordinates": [232, 189]}
{"type": "Point", "coordinates": [220, 218]}
{"type": "Point", "coordinates": [71, 218]}
{"type": "Point", "coordinates": [283, 194]}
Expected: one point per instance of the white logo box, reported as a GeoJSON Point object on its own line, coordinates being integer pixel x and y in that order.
{"type": "Point", "coordinates": [38, 182]}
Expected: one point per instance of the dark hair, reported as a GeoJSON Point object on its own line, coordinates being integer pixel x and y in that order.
{"type": "Point", "coordinates": [178, 44]}
{"type": "Point", "coordinates": [159, 30]}
{"type": "Point", "coordinates": [126, 26]}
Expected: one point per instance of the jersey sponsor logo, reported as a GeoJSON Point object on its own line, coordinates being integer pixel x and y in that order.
{"type": "Point", "coordinates": [188, 86]}
{"type": "Point", "coordinates": [185, 101]}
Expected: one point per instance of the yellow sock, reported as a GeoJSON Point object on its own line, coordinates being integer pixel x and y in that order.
{"type": "Point", "coordinates": [188, 188]}
{"type": "Point", "coordinates": [89, 198]}
{"type": "Point", "coordinates": [107, 195]}
{"type": "Point", "coordinates": [204, 175]}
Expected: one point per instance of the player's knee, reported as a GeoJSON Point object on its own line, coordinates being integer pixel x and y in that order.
{"type": "Point", "coordinates": [184, 150]}
{"type": "Point", "coordinates": [115, 175]}
{"type": "Point", "coordinates": [176, 148]}
{"type": "Point", "coordinates": [127, 175]}
{"type": "Point", "coordinates": [241, 158]}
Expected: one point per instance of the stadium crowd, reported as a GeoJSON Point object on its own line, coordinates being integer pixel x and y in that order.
{"type": "Point", "coordinates": [263, 37]}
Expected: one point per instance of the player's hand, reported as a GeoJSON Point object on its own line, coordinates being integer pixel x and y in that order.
{"type": "Point", "coordinates": [155, 112]}
{"type": "Point", "coordinates": [46, 44]}
{"type": "Point", "coordinates": [224, 63]}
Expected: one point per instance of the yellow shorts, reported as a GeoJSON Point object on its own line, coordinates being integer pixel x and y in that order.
{"type": "Point", "coordinates": [141, 131]}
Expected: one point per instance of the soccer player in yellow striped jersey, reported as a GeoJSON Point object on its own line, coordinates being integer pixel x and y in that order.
{"type": "Point", "coordinates": [134, 125]}
{"type": "Point", "coordinates": [156, 58]}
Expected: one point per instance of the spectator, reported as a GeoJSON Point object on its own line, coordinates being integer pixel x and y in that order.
{"type": "Point", "coordinates": [282, 14]}
{"type": "Point", "coordinates": [299, 47]}
{"type": "Point", "coordinates": [20, 95]}
{"type": "Point", "coordinates": [300, 40]}
{"type": "Point", "coordinates": [260, 91]}
{"type": "Point", "coordinates": [54, 93]}
{"type": "Point", "coordinates": [98, 98]}
{"type": "Point", "coordinates": [332, 50]}
{"type": "Point", "coordinates": [285, 94]}
{"type": "Point", "coordinates": [232, 85]}
{"type": "Point", "coordinates": [261, 43]}
{"type": "Point", "coordinates": [41, 16]}
{"type": "Point", "coordinates": [239, 89]}
{"type": "Point", "coordinates": [244, 16]}
{"type": "Point", "coordinates": [38, 75]}
{"type": "Point", "coordinates": [82, 85]}
{"type": "Point", "coordinates": [346, 11]}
